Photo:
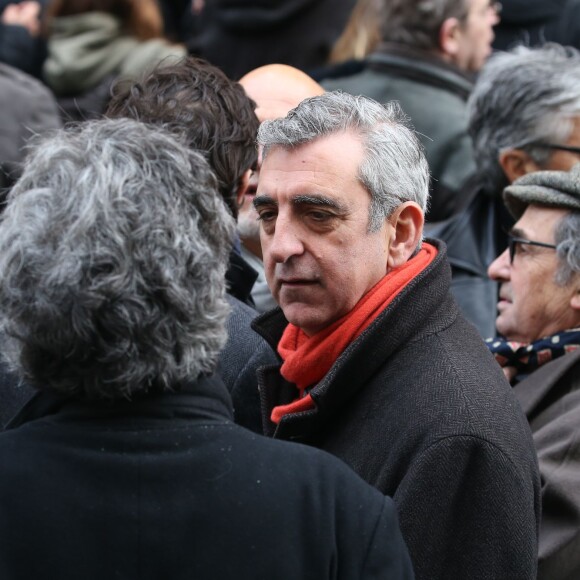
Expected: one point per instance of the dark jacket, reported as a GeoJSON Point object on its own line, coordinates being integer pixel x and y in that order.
{"type": "Point", "coordinates": [434, 95]}
{"type": "Point", "coordinates": [418, 407]}
{"type": "Point", "coordinates": [166, 486]}
{"type": "Point", "coordinates": [240, 278]}
{"type": "Point", "coordinates": [27, 108]}
{"type": "Point", "coordinates": [241, 35]}
{"type": "Point", "coordinates": [534, 22]}
{"type": "Point", "coordinates": [475, 237]}
{"type": "Point", "coordinates": [243, 353]}
{"type": "Point", "coordinates": [550, 398]}
{"type": "Point", "coordinates": [18, 48]}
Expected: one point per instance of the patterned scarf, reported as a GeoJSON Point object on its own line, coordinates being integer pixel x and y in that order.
{"type": "Point", "coordinates": [308, 358]}
{"type": "Point", "coordinates": [526, 358]}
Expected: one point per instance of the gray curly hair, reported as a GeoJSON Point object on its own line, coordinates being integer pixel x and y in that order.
{"type": "Point", "coordinates": [113, 250]}
{"type": "Point", "coordinates": [394, 169]}
{"type": "Point", "coordinates": [567, 237]}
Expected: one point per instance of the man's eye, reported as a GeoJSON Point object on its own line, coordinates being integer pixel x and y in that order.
{"type": "Point", "coordinates": [266, 216]}
{"type": "Point", "coordinates": [319, 216]}
{"type": "Point", "coordinates": [522, 248]}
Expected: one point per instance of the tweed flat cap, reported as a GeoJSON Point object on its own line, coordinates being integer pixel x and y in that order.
{"type": "Point", "coordinates": [550, 188]}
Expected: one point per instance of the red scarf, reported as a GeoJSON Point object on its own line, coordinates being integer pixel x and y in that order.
{"type": "Point", "coordinates": [307, 359]}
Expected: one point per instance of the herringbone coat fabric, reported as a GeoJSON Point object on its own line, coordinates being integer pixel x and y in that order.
{"type": "Point", "coordinates": [418, 407]}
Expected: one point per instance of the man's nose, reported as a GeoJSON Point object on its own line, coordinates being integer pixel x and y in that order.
{"type": "Point", "coordinates": [285, 242]}
{"type": "Point", "coordinates": [499, 269]}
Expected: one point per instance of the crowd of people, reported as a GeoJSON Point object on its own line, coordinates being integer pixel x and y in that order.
{"type": "Point", "coordinates": [290, 290]}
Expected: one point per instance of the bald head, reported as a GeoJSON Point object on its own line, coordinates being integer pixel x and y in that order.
{"type": "Point", "coordinates": [277, 88]}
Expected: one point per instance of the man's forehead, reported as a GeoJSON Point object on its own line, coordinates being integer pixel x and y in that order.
{"type": "Point", "coordinates": [333, 148]}
{"type": "Point", "coordinates": [539, 219]}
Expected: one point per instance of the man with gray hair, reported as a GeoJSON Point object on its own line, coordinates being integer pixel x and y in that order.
{"type": "Point", "coordinates": [524, 117]}
{"type": "Point", "coordinates": [127, 464]}
{"type": "Point", "coordinates": [377, 364]}
{"type": "Point", "coordinates": [429, 52]}
{"type": "Point", "coordinates": [539, 347]}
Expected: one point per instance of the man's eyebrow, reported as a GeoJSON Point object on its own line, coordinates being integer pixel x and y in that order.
{"type": "Point", "coordinates": [518, 233]}
{"type": "Point", "coordinates": [318, 200]}
{"type": "Point", "coordinates": [262, 200]}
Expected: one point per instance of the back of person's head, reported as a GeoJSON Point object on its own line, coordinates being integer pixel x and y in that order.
{"type": "Point", "coordinates": [417, 23]}
{"type": "Point", "coordinates": [197, 101]}
{"type": "Point", "coordinates": [140, 18]}
{"type": "Point", "coordinates": [113, 251]}
{"type": "Point", "coordinates": [394, 169]}
{"type": "Point", "coordinates": [277, 88]}
{"type": "Point", "coordinates": [522, 98]}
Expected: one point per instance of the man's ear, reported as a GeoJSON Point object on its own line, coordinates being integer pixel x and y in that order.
{"type": "Point", "coordinates": [406, 231]}
{"type": "Point", "coordinates": [449, 38]}
{"type": "Point", "coordinates": [516, 163]}
{"type": "Point", "coordinates": [575, 300]}
{"type": "Point", "coordinates": [243, 182]}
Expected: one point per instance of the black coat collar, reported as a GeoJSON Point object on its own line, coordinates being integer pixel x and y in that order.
{"type": "Point", "coordinates": [205, 399]}
{"type": "Point", "coordinates": [420, 66]}
{"type": "Point", "coordinates": [240, 278]}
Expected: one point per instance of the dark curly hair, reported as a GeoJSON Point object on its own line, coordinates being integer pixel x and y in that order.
{"type": "Point", "coordinates": [199, 102]}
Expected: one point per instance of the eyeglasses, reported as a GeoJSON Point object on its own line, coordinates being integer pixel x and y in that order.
{"type": "Point", "coordinates": [513, 244]}
{"type": "Point", "coordinates": [569, 148]}
{"type": "Point", "coordinates": [497, 7]}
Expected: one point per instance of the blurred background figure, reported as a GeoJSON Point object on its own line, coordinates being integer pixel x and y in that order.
{"type": "Point", "coordinates": [535, 22]}
{"type": "Point", "coordinates": [241, 35]}
{"type": "Point", "coordinates": [428, 54]}
{"type": "Point", "coordinates": [93, 42]}
{"type": "Point", "coordinates": [524, 116]}
{"type": "Point", "coordinates": [360, 37]}
{"type": "Point", "coordinates": [275, 88]}
{"type": "Point", "coordinates": [21, 43]}
{"type": "Point", "coordinates": [27, 108]}
{"type": "Point", "coordinates": [113, 251]}
{"type": "Point", "coordinates": [178, 19]}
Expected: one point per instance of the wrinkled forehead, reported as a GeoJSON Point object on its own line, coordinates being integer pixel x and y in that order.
{"type": "Point", "coordinates": [540, 222]}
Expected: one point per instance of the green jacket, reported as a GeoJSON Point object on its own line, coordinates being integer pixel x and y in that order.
{"type": "Point", "coordinates": [84, 49]}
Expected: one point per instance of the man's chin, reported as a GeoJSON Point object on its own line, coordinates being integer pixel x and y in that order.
{"type": "Point", "coordinates": [304, 317]}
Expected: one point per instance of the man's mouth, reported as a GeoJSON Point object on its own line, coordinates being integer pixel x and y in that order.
{"type": "Point", "coordinates": [503, 302]}
{"type": "Point", "coordinates": [296, 282]}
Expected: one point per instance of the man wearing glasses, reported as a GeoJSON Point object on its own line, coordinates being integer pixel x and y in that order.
{"type": "Point", "coordinates": [524, 116]}
{"type": "Point", "coordinates": [539, 348]}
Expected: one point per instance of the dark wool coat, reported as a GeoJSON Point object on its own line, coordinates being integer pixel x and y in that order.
{"type": "Point", "coordinates": [27, 108]}
{"type": "Point", "coordinates": [419, 408]}
{"type": "Point", "coordinates": [241, 35]}
{"type": "Point", "coordinates": [550, 398]}
{"type": "Point", "coordinates": [18, 48]}
{"type": "Point", "coordinates": [166, 486]}
{"type": "Point", "coordinates": [475, 237]}
{"type": "Point", "coordinates": [534, 22]}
